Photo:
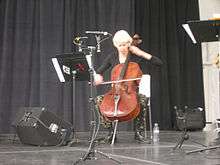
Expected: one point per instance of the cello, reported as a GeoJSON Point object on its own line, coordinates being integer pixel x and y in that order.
{"type": "Point", "coordinates": [121, 102]}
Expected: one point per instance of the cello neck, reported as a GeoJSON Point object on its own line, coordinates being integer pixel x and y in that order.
{"type": "Point", "coordinates": [124, 68]}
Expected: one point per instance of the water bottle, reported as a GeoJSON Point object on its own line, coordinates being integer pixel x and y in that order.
{"type": "Point", "coordinates": [156, 132]}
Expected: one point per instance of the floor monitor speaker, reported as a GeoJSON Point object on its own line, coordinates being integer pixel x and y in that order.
{"type": "Point", "coordinates": [38, 126]}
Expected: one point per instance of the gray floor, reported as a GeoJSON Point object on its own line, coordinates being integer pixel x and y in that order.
{"type": "Point", "coordinates": [126, 150]}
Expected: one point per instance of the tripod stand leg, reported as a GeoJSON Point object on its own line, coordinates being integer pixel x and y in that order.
{"type": "Point", "coordinates": [204, 149]}
{"type": "Point", "coordinates": [109, 157]}
{"type": "Point", "coordinates": [179, 144]}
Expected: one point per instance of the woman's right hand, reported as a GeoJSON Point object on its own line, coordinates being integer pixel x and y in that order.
{"type": "Point", "coordinates": [98, 79]}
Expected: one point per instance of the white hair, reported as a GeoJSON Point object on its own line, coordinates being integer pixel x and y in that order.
{"type": "Point", "coordinates": [121, 36]}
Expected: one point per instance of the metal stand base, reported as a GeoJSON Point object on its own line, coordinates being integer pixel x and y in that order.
{"type": "Point", "coordinates": [184, 137]}
{"type": "Point", "coordinates": [91, 156]}
{"type": "Point", "coordinates": [91, 153]}
{"type": "Point", "coordinates": [206, 148]}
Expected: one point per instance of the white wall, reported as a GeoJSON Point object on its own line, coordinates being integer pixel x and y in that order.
{"type": "Point", "coordinates": [211, 72]}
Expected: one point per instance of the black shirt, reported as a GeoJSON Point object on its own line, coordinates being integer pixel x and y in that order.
{"type": "Point", "coordinates": [113, 60]}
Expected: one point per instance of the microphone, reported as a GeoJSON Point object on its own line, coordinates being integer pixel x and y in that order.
{"type": "Point", "coordinates": [97, 32]}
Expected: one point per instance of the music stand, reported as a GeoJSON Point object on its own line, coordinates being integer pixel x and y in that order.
{"type": "Point", "coordinates": [79, 67]}
{"type": "Point", "coordinates": [71, 67]}
{"type": "Point", "coordinates": [203, 31]}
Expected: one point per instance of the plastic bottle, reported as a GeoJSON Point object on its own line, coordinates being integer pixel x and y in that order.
{"type": "Point", "coordinates": [156, 132]}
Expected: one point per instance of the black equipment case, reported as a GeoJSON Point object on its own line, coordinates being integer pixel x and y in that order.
{"type": "Point", "coordinates": [190, 118]}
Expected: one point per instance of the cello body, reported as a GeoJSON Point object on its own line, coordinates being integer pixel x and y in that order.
{"type": "Point", "coordinates": [127, 106]}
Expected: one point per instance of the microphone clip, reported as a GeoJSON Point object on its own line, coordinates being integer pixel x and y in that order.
{"type": "Point", "coordinates": [80, 42]}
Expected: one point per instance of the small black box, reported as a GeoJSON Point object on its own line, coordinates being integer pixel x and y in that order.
{"type": "Point", "coordinates": [190, 118]}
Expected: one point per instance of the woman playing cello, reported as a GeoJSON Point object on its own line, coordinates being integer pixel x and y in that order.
{"type": "Point", "coordinates": [130, 55]}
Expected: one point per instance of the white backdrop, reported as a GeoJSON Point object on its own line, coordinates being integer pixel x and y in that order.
{"type": "Point", "coordinates": [211, 72]}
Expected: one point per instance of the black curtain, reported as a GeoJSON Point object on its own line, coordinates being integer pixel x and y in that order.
{"type": "Point", "coordinates": [34, 31]}
{"type": "Point", "coordinates": [180, 81]}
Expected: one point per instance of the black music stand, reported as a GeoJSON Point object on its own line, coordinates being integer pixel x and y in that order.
{"type": "Point", "coordinates": [203, 31]}
{"type": "Point", "coordinates": [71, 67]}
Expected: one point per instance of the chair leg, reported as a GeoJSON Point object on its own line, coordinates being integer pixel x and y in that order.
{"type": "Point", "coordinates": [150, 119]}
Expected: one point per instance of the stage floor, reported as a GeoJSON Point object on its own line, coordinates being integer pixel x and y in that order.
{"type": "Point", "coordinates": [126, 150]}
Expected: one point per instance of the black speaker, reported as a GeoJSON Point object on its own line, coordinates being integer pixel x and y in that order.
{"type": "Point", "coordinates": [38, 126]}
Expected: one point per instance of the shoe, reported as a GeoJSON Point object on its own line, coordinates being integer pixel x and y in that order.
{"type": "Point", "coordinates": [140, 138]}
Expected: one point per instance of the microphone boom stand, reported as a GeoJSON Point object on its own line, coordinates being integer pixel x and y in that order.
{"type": "Point", "coordinates": [90, 154]}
